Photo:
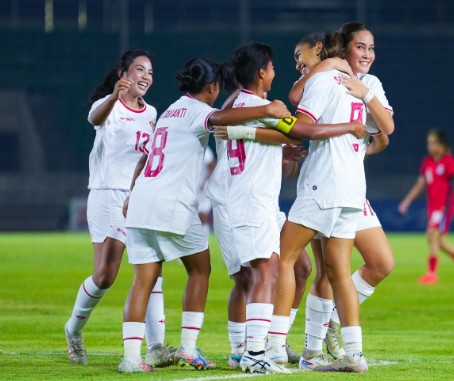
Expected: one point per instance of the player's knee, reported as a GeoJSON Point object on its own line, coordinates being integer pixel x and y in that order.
{"type": "Point", "coordinates": [104, 280]}
{"type": "Point", "coordinates": [302, 273]}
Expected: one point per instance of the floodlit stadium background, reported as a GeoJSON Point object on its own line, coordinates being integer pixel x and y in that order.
{"type": "Point", "coordinates": [53, 52]}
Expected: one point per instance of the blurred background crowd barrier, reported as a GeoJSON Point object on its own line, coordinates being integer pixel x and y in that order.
{"type": "Point", "coordinates": [53, 53]}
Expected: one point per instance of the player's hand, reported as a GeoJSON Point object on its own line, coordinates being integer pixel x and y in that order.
{"type": "Point", "coordinates": [122, 86]}
{"type": "Point", "coordinates": [293, 152]}
{"type": "Point", "coordinates": [220, 132]}
{"type": "Point", "coordinates": [125, 206]}
{"type": "Point", "coordinates": [403, 208]}
{"type": "Point", "coordinates": [358, 129]}
{"type": "Point", "coordinates": [355, 87]}
{"type": "Point", "coordinates": [277, 109]}
{"type": "Point", "coordinates": [341, 65]}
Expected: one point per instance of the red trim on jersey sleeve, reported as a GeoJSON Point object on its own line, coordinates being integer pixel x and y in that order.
{"type": "Point", "coordinates": [132, 109]}
{"type": "Point", "coordinates": [189, 96]}
{"type": "Point", "coordinates": [310, 115]}
{"type": "Point", "coordinates": [206, 120]}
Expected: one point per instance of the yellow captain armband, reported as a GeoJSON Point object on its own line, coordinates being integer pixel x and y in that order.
{"type": "Point", "coordinates": [286, 124]}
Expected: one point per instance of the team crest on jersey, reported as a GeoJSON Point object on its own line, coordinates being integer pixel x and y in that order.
{"type": "Point", "coordinates": [355, 147]}
{"type": "Point", "coordinates": [338, 79]}
{"type": "Point", "coordinates": [440, 170]}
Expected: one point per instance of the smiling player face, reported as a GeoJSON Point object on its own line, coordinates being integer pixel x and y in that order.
{"type": "Point", "coordinates": [361, 52]}
{"type": "Point", "coordinates": [141, 72]}
{"type": "Point", "coordinates": [306, 58]}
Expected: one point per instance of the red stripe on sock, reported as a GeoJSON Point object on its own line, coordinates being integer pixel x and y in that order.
{"type": "Point", "coordinates": [91, 296]}
{"type": "Point", "coordinates": [269, 321]}
{"type": "Point", "coordinates": [277, 333]}
{"type": "Point", "coordinates": [133, 338]}
{"type": "Point", "coordinates": [194, 328]}
{"type": "Point", "coordinates": [156, 292]}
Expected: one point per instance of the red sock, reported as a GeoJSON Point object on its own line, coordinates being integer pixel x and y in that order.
{"type": "Point", "coordinates": [432, 263]}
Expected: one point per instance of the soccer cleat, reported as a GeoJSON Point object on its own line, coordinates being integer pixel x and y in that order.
{"type": "Point", "coordinates": [333, 346]}
{"type": "Point", "coordinates": [429, 278]}
{"type": "Point", "coordinates": [160, 356]}
{"type": "Point", "coordinates": [293, 357]}
{"type": "Point", "coordinates": [355, 363]}
{"type": "Point", "coordinates": [75, 347]}
{"type": "Point", "coordinates": [127, 366]}
{"type": "Point", "coordinates": [192, 358]}
{"type": "Point", "coordinates": [234, 360]}
{"type": "Point", "coordinates": [277, 353]}
{"type": "Point", "coordinates": [261, 364]}
{"type": "Point", "coordinates": [312, 360]}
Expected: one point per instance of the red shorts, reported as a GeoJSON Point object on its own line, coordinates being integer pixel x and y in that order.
{"type": "Point", "coordinates": [440, 219]}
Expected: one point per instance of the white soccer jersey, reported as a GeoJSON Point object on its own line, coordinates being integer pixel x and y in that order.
{"type": "Point", "coordinates": [207, 160]}
{"type": "Point", "coordinates": [164, 197]}
{"type": "Point", "coordinates": [255, 171]}
{"type": "Point", "coordinates": [333, 173]}
{"type": "Point", "coordinates": [218, 184]}
{"type": "Point", "coordinates": [374, 85]}
{"type": "Point", "coordinates": [119, 143]}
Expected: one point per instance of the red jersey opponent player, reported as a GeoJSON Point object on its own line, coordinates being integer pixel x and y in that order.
{"type": "Point", "coordinates": [437, 171]}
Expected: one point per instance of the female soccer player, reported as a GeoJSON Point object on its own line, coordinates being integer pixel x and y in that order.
{"type": "Point", "coordinates": [124, 125]}
{"type": "Point", "coordinates": [217, 191]}
{"type": "Point", "coordinates": [331, 194]}
{"type": "Point", "coordinates": [162, 218]}
{"type": "Point", "coordinates": [370, 238]}
{"type": "Point", "coordinates": [252, 199]}
{"type": "Point", "coordinates": [437, 171]}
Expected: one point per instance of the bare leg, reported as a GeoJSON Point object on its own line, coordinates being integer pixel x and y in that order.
{"type": "Point", "coordinates": [294, 238]}
{"type": "Point", "coordinates": [145, 276]}
{"type": "Point", "coordinates": [198, 268]}
{"type": "Point", "coordinates": [107, 261]}
{"type": "Point", "coordinates": [303, 269]}
{"type": "Point", "coordinates": [376, 251]}
{"type": "Point", "coordinates": [337, 256]}
{"type": "Point", "coordinates": [239, 295]}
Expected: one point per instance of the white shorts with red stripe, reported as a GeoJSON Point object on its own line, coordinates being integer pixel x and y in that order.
{"type": "Point", "coordinates": [368, 219]}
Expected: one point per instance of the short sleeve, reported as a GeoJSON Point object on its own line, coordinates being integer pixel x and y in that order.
{"type": "Point", "coordinates": [316, 95]}
{"type": "Point", "coordinates": [93, 107]}
{"type": "Point", "coordinates": [200, 118]}
{"type": "Point", "coordinates": [377, 89]}
{"type": "Point", "coordinates": [423, 168]}
{"type": "Point", "coordinates": [450, 167]}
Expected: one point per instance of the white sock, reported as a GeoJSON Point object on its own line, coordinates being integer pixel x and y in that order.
{"type": "Point", "coordinates": [237, 336]}
{"type": "Point", "coordinates": [190, 328]}
{"type": "Point", "coordinates": [318, 313]}
{"type": "Point", "coordinates": [364, 290]}
{"type": "Point", "coordinates": [278, 332]}
{"type": "Point", "coordinates": [87, 298]}
{"type": "Point", "coordinates": [155, 319]}
{"type": "Point", "coordinates": [293, 313]}
{"type": "Point", "coordinates": [133, 333]}
{"type": "Point", "coordinates": [258, 321]}
{"type": "Point", "coordinates": [353, 340]}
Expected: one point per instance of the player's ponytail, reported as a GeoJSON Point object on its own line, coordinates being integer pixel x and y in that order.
{"type": "Point", "coordinates": [198, 73]}
{"type": "Point", "coordinates": [228, 78]}
{"type": "Point", "coordinates": [333, 47]}
{"type": "Point", "coordinates": [107, 85]}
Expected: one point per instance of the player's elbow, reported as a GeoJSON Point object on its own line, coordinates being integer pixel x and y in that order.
{"type": "Point", "coordinates": [294, 98]}
{"type": "Point", "coordinates": [388, 127]}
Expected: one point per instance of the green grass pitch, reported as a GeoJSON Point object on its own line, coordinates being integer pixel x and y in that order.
{"type": "Point", "coordinates": [408, 329]}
